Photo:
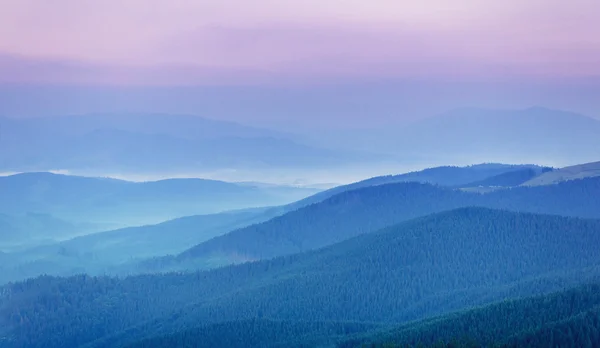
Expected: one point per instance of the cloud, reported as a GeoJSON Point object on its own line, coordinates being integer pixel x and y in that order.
{"type": "Point", "coordinates": [185, 41]}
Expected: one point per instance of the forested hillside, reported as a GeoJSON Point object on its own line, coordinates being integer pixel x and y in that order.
{"type": "Point", "coordinates": [569, 318]}
{"type": "Point", "coordinates": [260, 333]}
{"type": "Point", "coordinates": [423, 267]}
{"type": "Point", "coordinates": [450, 176]}
{"type": "Point", "coordinates": [509, 179]}
{"type": "Point", "coordinates": [364, 210]}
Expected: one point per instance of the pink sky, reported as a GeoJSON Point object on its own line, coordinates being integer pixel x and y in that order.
{"type": "Point", "coordinates": [187, 42]}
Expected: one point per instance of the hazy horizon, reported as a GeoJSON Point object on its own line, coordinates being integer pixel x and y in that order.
{"type": "Point", "coordinates": [300, 66]}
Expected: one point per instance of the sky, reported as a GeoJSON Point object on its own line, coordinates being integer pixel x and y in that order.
{"type": "Point", "coordinates": [178, 42]}
{"type": "Point", "coordinates": [290, 64]}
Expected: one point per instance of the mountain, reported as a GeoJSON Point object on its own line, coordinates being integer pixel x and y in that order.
{"type": "Point", "coordinates": [178, 125]}
{"type": "Point", "coordinates": [452, 176]}
{"type": "Point", "coordinates": [86, 199]}
{"type": "Point", "coordinates": [115, 251]}
{"type": "Point", "coordinates": [152, 144]}
{"type": "Point", "coordinates": [364, 210]}
{"type": "Point", "coordinates": [31, 228]}
{"type": "Point", "coordinates": [569, 318]}
{"type": "Point", "coordinates": [509, 179]}
{"type": "Point", "coordinates": [580, 171]}
{"type": "Point", "coordinates": [261, 333]}
{"type": "Point", "coordinates": [414, 270]}
{"type": "Point", "coordinates": [168, 237]}
{"type": "Point", "coordinates": [528, 135]}
{"type": "Point", "coordinates": [120, 251]}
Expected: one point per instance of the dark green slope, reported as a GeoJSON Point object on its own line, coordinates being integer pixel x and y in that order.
{"type": "Point", "coordinates": [340, 217]}
{"type": "Point", "coordinates": [582, 330]}
{"type": "Point", "coordinates": [360, 211]}
{"type": "Point", "coordinates": [423, 267]}
{"type": "Point", "coordinates": [570, 318]}
{"type": "Point", "coordinates": [259, 333]}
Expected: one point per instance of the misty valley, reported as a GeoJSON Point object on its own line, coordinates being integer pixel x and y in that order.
{"type": "Point", "coordinates": [299, 173]}
{"type": "Point", "coordinates": [489, 254]}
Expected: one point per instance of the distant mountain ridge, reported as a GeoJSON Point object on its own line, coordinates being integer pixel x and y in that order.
{"type": "Point", "coordinates": [88, 199]}
{"type": "Point", "coordinates": [31, 227]}
{"type": "Point", "coordinates": [171, 144]}
{"type": "Point", "coordinates": [153, 143]}
{"type": "Point", "coordinates": [452, 176]}
{"type": "Point", "coordinates": [176, 125]}
{"type": "Point", "coordinates": [509, 179]}
{"type": "Point", "coordinates": [528, 135]}
{"type": "Point", "coordinates": [580, 171]}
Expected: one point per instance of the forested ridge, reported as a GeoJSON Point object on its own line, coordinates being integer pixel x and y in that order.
{"type": "Point", "coordinates": [260, 333]}
{"type": "Point", "coordinates": [509, 179]}
{"type": "Point", "coordinates": [364, 210]}
{"type": "Point", "coordinates": [124, 203]}
{"type": "Point", "coordinates": [420, 268]}
{"type": "Point", "coordinates": [448, 176]}
{"type": "Point", "coordinates": [570, 318]}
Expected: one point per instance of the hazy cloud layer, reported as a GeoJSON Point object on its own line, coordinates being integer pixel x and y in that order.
{"type": "Point", "coordinates": [188, 42]}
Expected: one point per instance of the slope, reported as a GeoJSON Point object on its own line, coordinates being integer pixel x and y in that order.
{"type": "Point", "coordinates": [31, 229]}
{"type": "Point", "coordinates": [569, 318]}
{"type": "Point", "coordinates": [86, 199]}
{"type": "Point", "coordinates": [119, 250]}
{"type": "Point", "coordinates": [509, 179]}
{"type": "Point", "coordinates": [452, 176]}
{"type": "Point", "coordinates": [364, 210]}
{"type": "Point", "coordinates": [580, 171]}
{"type": "Point", "coordinates": [420, 268]}
{"type": "Point", "coordinates": [531, 322]}
{"type": "Point", "coordinates": [164, 238]}
{"type": "Point", "coordinates": [260, 333]}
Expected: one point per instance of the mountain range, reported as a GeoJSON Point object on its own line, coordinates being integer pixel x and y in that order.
{"type": "Point", "coordinates": [319, 220]}
{"type": "Point", "coordinates": [125, 203]}
{"type": "Point", "coordinates": [580, 171]}
{"type": "Point", "coordinates": [447, 256]}
{"type": "Point", "coordinates": [528, 135]}
{"type": "Point", "coordinates": [152, 144]}
{"type": "Point", "coordinates": [107, 252]}
{"type": "Point", "coordinates": [417, 269]}
{"type": "Point", "coordinates": [367, 209]}
{"type": "Point", "coordinates": [172, 145]}
{"type": "Point", "coordinates": [474, 135]}
{"type": "Point", "coordinates": [568, 318]}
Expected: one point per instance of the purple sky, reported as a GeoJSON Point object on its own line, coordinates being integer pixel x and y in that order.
{"type": "Point", "coordinates": [185, 42]}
